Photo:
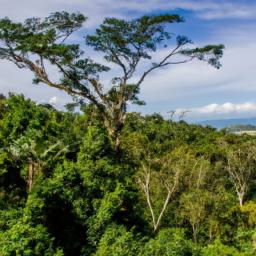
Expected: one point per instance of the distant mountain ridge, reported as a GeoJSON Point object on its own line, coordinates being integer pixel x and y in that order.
{"type": "Point", "coordinates": [223, 123]}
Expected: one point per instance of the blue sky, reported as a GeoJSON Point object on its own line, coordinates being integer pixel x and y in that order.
{"type": "Point", "coordinates": [207, 93]}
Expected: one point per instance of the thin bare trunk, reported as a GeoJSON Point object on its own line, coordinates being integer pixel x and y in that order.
{"type": "Point", "coordinates": [145, 185]}
{"type": "Point", "coordinates": [194, 233]}
{"type": "Point", "coordinates": [210, 234]}
{"type": "Point", "coordinates": [241, 198]}
{"type": "Point", "coordinates": [117, 144]}
{"type": "Point", "coordinates": [163, 210]}
{"type": "Point", "coordinates": [145, 188]}
{"type": "Point", "coordinates": [30, 173]}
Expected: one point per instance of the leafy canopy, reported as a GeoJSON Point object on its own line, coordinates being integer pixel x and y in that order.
{"type": "Point", "coordinates": [37, 43]}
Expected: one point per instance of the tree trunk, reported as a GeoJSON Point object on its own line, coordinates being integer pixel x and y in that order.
{"type": "Point", "coordinates": [114, 132]}
{"type": "Point", "coordinates": [241, 198]}
{"type": "Point", "coordinates": [117, 144]}
{"type": "Point", "coordinates": [194, 228]}
{"type": "Point", "coordinates": [162, 210]}
{"type": "Point", "coordinates": [30, 173]}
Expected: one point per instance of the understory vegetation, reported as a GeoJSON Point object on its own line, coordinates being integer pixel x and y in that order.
{"type": "Point", "coordinates": [171, 189]}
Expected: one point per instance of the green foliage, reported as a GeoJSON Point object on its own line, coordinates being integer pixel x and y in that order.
{"type": "Point", "coordinates": [250, 209]}
{"type": "Point", "coordinates": [131, 39]}
{"type": "Point", "coordinates": [41, 36]}
{"type": "Point", "coordinates": [117, 241]}
{"type": "Point", "coordinates": [169, 242]}
{"type": "Point", "coordinates": [217, 248]}
{"type": "Point", "coordinates": [24, 239]}
{"type": "Point", "coordinates": [194, 209]}
{"type": "Point", "coordinates": [87, 200]}
{"type": "Point", "coordinates": [135, 40]}
{"type": "Point", "coordinates": [105, 209]}
{"type": "Point", "coordinates": [245, 241]}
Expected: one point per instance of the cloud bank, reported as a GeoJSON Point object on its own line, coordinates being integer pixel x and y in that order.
{"type": "Point", "coordinates": [226, 108]}
{"type": "Point", "coordinates": [97, 9]}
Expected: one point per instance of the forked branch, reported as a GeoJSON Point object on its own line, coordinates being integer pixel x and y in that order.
{"type": "Point", "coordinates": [171, 187]}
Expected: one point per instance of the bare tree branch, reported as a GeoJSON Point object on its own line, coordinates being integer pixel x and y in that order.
{"type": "Point", "coordinates": [163, 63]}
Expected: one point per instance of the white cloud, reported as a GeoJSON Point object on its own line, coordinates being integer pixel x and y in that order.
{"type": "Point", "coordinates": [225, 10]}
{"type": "Point", "coordinates": [53, 100]}
{"type": "Point", "coordinates": [225, 108]}
{"type": "Point", "coordinates": [220, 111]}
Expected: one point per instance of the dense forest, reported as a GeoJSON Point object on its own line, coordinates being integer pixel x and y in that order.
{"type": "Point", "coordinates": [171, 189]}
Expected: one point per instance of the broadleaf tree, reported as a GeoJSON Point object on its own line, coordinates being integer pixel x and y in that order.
{"type": "Point", "coordinates": [37, 42]}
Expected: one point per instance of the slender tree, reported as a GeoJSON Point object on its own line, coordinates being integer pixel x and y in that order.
{"type": "Point", "coordinates": [160, 180]}
{"type": "Point", "coordinates": [241, 169]}
{"type": "Point", "coordinates": [37, 43]}
{"type": "Point", "coordinates": [37, 156]}
{"type": "Point", "coordinates": [194, 209]}
{"type": "Point", "coordinates": [170, 186]}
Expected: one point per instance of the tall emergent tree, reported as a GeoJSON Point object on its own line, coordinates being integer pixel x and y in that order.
{"type": "Point", "coordinates": [38, 43]}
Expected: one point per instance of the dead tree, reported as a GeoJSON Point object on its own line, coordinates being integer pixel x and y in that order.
{"type": "Point", "coordinates": [170, 186]}
{"type": "Point", "coordinates": [182, 114]}
{"type": "Point", "coordinates": [171, 113]}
